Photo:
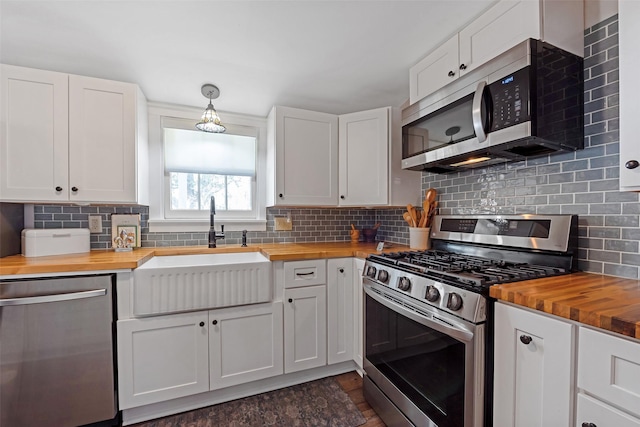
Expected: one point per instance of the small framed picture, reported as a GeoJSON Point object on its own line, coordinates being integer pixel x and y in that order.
{"type": "Point", "coordinates": [126, 227]}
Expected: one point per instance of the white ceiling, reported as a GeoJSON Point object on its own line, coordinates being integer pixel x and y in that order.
{"type": "Point", "coordinates": [332, 56]}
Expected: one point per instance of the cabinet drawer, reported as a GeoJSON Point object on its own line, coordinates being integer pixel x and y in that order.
{"type": "Point", "coordinates": [305, 273]}
{"type": "Point", "coordinates": [592, 411]}
{"type": "Point", "coordinates": [609, 368]}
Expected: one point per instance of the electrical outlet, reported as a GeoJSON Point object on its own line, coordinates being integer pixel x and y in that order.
{"type": "Point", "coordinates": [95, 224]}
{"type": "Point", "coordinates": [283, 224]}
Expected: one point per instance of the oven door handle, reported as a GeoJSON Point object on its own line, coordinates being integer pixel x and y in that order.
{"type": "Point", "coordinates": [448, 326]}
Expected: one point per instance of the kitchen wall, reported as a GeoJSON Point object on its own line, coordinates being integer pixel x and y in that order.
{"type": "Point", "coordinates": [583, 183]}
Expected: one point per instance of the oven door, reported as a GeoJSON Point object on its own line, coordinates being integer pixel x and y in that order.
{"type": "Point", "coordinates": [430, 365]}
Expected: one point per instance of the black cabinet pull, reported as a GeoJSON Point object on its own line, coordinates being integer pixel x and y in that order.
{"type": "Point", "coordinates": [290, 300]}
{"type": "Point", "coordinates": [525, 339]}
{"type": "Point", "coordinates": [589, 425]}
{"type": "Point", "coordinates": [201, 323]}
{"type": "Point", "coordinates": [74, 189]}
{"type": "Point", "coordinates": [280, 195]}
{"type": "Point", "coordinates": [632, 164]}
{"type": "Point", "coordinates": [463, 67]}
{"type": "Point", "coordinates": [451, 74]}
{"type": "Point", "coordinates": [342, 197]}
{"type": "Point", "coordinates": [341, 270]}
{"type": "Point", "coordinates": [215, 322]}
{"type": "Point", "coordinates": [58, 188]}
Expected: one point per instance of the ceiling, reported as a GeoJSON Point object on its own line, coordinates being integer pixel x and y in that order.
{"type": "Point", "coordinates": [332, 56]}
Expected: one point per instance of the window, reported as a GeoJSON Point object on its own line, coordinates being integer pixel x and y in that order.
{"type": "Point", "coordinates": [199, 165]}
{"type": "Point", "coordinates": [187, 167]}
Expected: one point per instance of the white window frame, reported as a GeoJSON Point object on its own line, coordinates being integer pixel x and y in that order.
{"type": "Point", "coordinates": [158, 180]}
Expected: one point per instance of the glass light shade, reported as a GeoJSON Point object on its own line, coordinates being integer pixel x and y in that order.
{"type": "Point", "coordinates": [210, 121]}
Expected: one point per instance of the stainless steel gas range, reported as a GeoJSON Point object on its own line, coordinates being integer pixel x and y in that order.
{"type": "Point", "coordinates": [429, 318]}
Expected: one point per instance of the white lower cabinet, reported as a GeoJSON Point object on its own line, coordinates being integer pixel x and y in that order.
{"type": "Point", "coordinates": [358, 301]}
{"type": "Point", "coordinates": [165, 357]}
{"type": "Point", "coordinates": [533, 365]}
{"type": "Point", "coordinates": [162, 358]}
{"type": "Point", "coordinates": [609, 371]}
{"type": "Point", "coordinates": [305, 328]}
{"type": "Point", "coordinates": [245, 344]}
{"type": "Point", "coordinates": [340, 313]}
{"type": "Point", "coordinates": [593, 413]}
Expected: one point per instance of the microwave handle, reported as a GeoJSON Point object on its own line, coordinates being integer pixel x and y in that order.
{"type": "Point", "coordinates": [476, 112]}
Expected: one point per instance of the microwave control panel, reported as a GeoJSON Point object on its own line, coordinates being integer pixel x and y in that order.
{"type": "Point", "coordinates": [510, 99]}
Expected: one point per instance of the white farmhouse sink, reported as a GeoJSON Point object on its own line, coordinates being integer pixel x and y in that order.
{"type": "Point", "coordinates": [169, 284]}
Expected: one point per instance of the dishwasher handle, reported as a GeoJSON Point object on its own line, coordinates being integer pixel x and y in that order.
{"type": "Point", "coordinates": [52, 298]}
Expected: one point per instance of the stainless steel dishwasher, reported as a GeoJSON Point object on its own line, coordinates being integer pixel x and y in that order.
{"type": "Point", "coordinates": [56, 351]}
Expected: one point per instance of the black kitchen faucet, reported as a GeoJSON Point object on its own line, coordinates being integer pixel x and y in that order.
{"type": "Point", "coordinates": [212, 230]}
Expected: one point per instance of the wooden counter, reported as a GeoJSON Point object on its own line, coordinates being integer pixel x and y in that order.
{"type": "Point", "coordinates": [606, 302]}
{"type": "Point", "coordinates": [111, 260]}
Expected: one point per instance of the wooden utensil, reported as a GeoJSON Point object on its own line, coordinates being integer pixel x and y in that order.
{"type": "Point", "coordinates": [412, 212]}
{"type": "Point", "coordinates": [407, 217]}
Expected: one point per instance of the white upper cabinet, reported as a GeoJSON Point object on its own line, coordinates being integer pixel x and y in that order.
{"type": "Point", "coordinates": [319, 159]}
{"type": "Point", "coordinates": [72, 138]}
{"type": "Point", "coordinates": [34, 141]}
{"type": "Point", "coordinates": [302, 158]}
{"type": "Point", "coordinates": [507, 23]}
{"type": "Point", "coordinates": [363, 158]}
{"type": "Point", "coordinates": [629, 16]}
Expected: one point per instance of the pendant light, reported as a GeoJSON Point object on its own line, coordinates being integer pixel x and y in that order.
{"type": "Point", "coordinates": [210, 121]}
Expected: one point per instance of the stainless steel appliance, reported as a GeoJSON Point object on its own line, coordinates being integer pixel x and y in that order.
{"type": "Point", "coordinates": [429, 319]}
{"type": "Point", "coordinates": [56, 351]}
{"type": "Point", "coordinates": [526, 102]}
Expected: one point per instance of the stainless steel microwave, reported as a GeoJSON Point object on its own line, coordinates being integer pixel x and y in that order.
{"type": "Point", "coordinates": [526, 102]}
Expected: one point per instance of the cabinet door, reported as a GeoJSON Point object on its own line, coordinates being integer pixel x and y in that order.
{"type": "Point", "coordinates": [306, 157]}
{"type": "Point", "coordinates": [35, 135]}
{"type": "Point", "coordinates": [592, 412]}
{"type": "Point", "coordinates": [629, 16]}
{"type": "Point", "coordinates": [532, 369]}
{"type": "Point", "coordinates": [364, 158]}
{"type": "Point", "coordinates": [434, 71]}
{"type": "Point", "coordinates": [340, 313]}
{"type": "Point", "coordinates": [358, 327]}
{"type": "Point", "coordinates": [161, 358]}
{"type": "Point", "coordinates": [245, 344]}
{"type": "Point", "coordinates": [497, 30]}
{"type": "Point", "coordinates": [609, 368]}
{"type": "Point", "coordinates": [102, 140]}
{"type": "Point", "coordinates": [305, 328]}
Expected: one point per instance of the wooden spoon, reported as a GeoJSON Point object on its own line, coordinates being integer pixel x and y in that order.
{"type": "Point", "coordinates": [407, 217]}
{"type": "Point", "coordinates": [412, 212]}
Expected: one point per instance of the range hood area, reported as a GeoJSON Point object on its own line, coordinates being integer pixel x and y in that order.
{"type": "Point", "coordinates": [527, 102]}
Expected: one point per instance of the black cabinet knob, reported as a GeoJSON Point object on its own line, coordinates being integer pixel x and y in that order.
{"type": "Point", "coordinates": [74, 189]}
{"type": "Point", "coordinates": [215, 322]}
{"type": "Point", "coordinates": [451, 74]}
{"type": "Point", "coordinates": [463, 67]}
{"type": "Point", "coordinates": [341, 270]}
{"type": "Point", "coordinates": [632, 164]}
{"type": "Point", "coordinates": [201, 324]}
{"type": "Point", "coordinates": [290, 300]}
{"type": "Point", "coordinates": [525, 339]}
{"type": "Point", "coordinates": [58, 188]}
{"type": "Point", "coordinates": [342, 197]}
{"type": "Point", "coordinates": [589, 425]}
{"type": "Point", "coordinates": [280, 195]}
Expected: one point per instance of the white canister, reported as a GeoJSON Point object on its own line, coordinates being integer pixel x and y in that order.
{"type": "Point", "coordinates": [419, 238]}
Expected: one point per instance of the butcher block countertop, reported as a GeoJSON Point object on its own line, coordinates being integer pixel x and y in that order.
{"type": "Point", "coordinates": [606, 302]}
{"type": "Point", "coordinates": [111, 260]}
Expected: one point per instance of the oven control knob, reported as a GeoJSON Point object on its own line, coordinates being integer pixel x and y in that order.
{"type": "Point", "coordinates": [383, 276]}
{"type": "Point", "coordinates": [371, 272]}
{"type": "Point", "coordinates": [432, 293]}
{"type": "Point", "coordinates": [455, 302]}
{"type": "Point", "coordinates": [404, 284]}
